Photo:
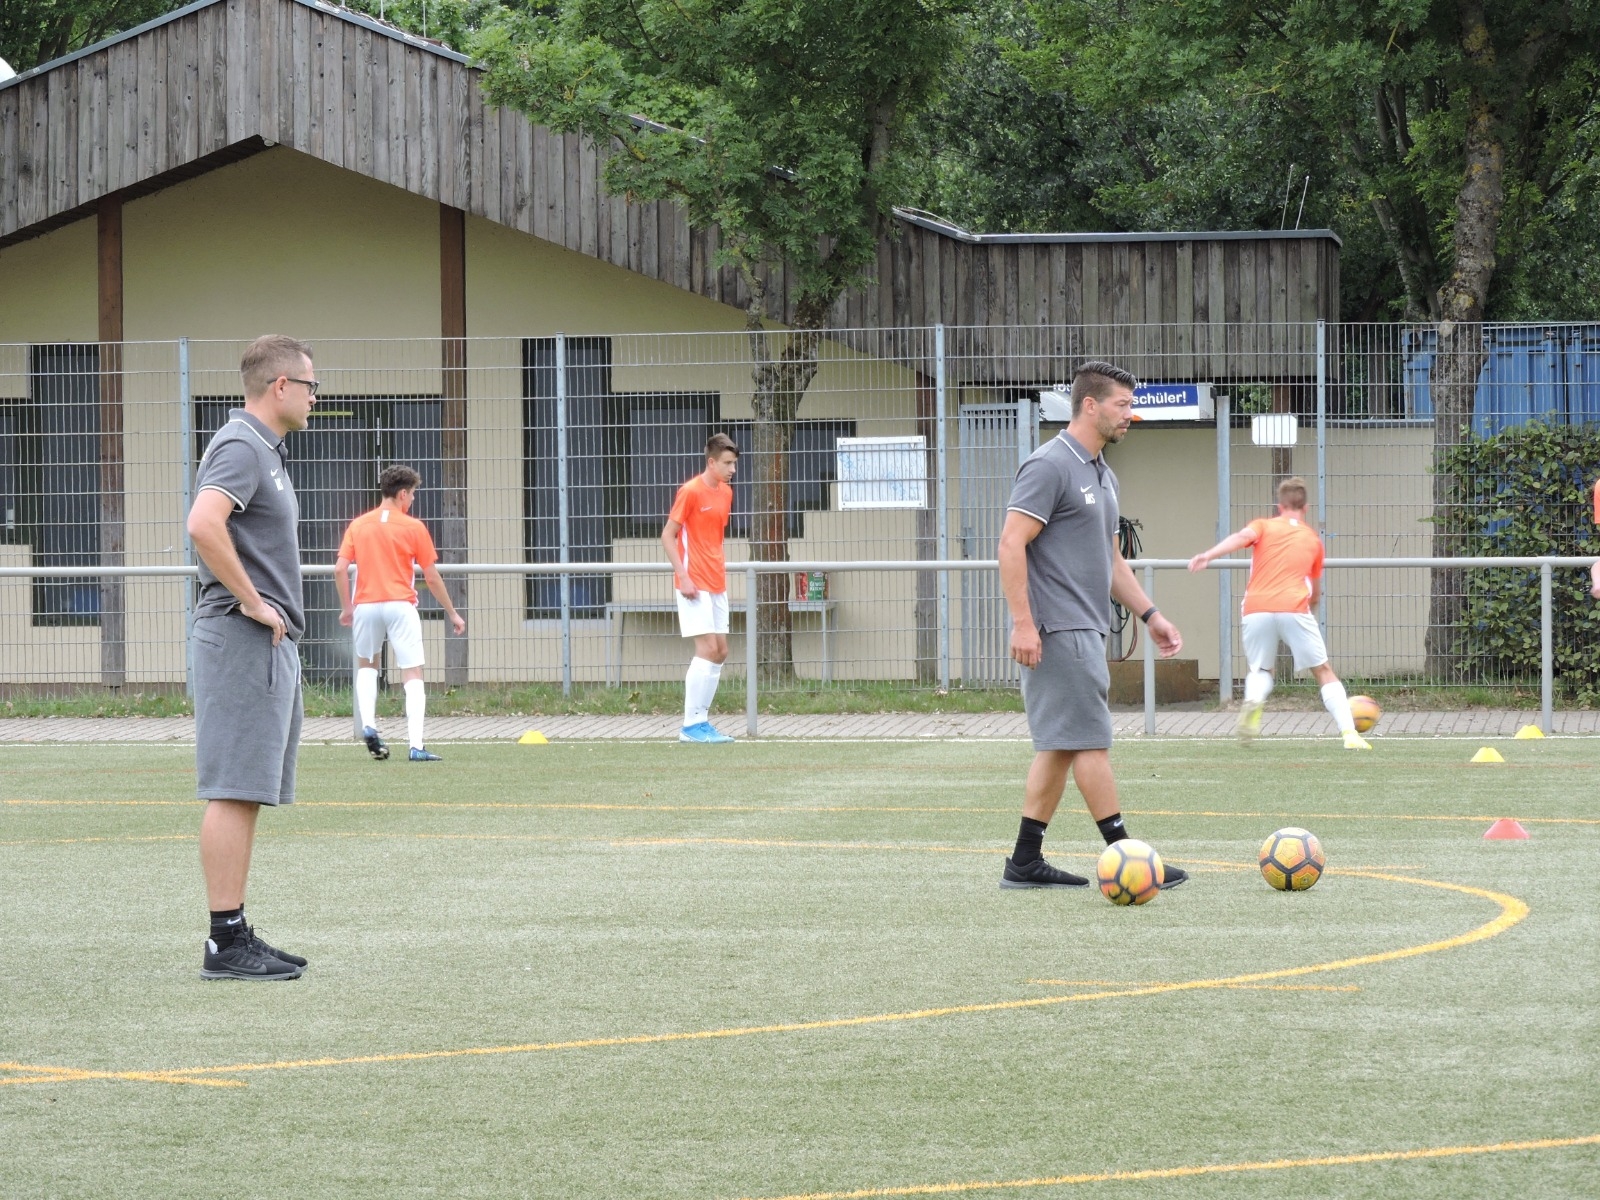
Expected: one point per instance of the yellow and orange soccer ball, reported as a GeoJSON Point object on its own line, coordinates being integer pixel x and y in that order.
{"type": "Point", "coordinates": [1292, 859]}
{"type": "Point", "coordinates": [1130, 872]}
{"type": "Point", "coordinates": [1366, 712]}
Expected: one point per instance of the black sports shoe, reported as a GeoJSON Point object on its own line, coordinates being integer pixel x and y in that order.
{"type": "Point", "coordinates": [294, 960]}
{"type": "Point", "coordinates": [247, 958]}
{"type": "Point", "coordinates": [1172, 876]}
{"type": "Point", "coordinates": [375, 746]}
{"type": "Point", "coordinates": [1039, 874]}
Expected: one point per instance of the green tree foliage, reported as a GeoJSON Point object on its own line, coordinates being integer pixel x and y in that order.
{"type": "Point", "coordinates": [1464, 126]}
{"type": "Point", "coordinates": [781, 122]}
{"type": "Point", "coordinates": [1525, 492]}
{"type": "Point", "coordinates": [36, 31]}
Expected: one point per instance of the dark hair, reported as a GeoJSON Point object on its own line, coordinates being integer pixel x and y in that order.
{"type": "Point", "coordinates": [269, 356]}
{"type": "Point", "coordinates": [1094, 377]}
{"type": "Point", "coordinates": [719, 444]}
{"type": "Point", "coordinates": [396, 479]}
{"type": "Point", "coordinates": [1292, 493]}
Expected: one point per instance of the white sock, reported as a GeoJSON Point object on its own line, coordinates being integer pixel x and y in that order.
{"type": "Point", "coordinates": [696, 696]}
{"type": "Point", "coordinates": [367, 696]}
{"type": "Point", "coordinates": [416, 710]}
{"type": "Point", "coordinates": [708, 688]}
{"type": "Point", "coordinates": [1337, 703]}
{"type": "Point", "coordinates": [1257, 687]}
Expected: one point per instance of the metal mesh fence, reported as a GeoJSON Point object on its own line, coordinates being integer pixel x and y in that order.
{"type": "Point", "coordinates": [860, 445]}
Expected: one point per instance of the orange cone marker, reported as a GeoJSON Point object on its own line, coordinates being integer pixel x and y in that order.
{"type": "Point", "coordinates": [1506, 830]}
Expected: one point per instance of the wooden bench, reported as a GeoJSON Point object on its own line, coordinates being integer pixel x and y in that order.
{"type": "Point", "coordinates": [617, 612]}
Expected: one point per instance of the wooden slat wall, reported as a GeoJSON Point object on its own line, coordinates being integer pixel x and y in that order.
{"type": "Point", "coordinates": [393, 111]}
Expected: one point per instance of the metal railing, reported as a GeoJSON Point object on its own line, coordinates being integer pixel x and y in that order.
{"type": "Point", "coordinates": [749, 571]}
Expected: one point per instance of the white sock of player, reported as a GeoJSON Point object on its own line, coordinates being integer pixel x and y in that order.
{"type": "Point", "coordinates": [696, 695]}
{"type": "Point", "coordinates": [1338, 704]}
{"type": "Point", "coordinates": [416, 711]}
{"type": "Point", "coordinates": [1257, 687]}
{"type": "Point", "coordinates": [367, 696]}
{"type": "Point", "coordinates": [708, 688]}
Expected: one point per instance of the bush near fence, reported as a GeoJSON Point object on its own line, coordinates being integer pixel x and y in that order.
{"type": "Point", "coordinates": [1526, 491]}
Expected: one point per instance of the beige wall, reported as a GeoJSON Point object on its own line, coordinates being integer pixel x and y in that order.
{"type": "Point", "coordinates": [282, 242]}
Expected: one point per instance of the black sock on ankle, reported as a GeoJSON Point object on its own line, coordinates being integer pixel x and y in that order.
{"type": "Point", "coordinates": [1029, 838]}
{"type": "Point", "coordinates": [226, 926]}
{"type": "Point", "coordinates": [1112, 828]}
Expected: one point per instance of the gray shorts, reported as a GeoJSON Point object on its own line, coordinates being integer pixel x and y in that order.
{"type": "Point", "coordinates": [1065, 695]}
{"type": "Point", "coordinates": [247, 710]}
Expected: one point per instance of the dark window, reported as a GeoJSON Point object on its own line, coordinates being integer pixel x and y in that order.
{"type": "Point", "coordinates": [596, 470]}
{"type": "Point", "coordinates": [627, 455]}
{"type": "Point", "coordinates": [50, 473]}
{"type": "Point", "coordinates": [812, 467]}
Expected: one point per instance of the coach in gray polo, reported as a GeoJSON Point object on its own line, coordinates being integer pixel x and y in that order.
{"type": "Point", "coordinates": [249, 617]}
{"type": "Point", "coordinates": [1060, 567]}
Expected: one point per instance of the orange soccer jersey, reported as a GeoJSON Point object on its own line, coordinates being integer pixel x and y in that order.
{"type": "Point", "coordinates": [384, 544]}
{"type": "Point", "coordinates": [702, 511]}
{"type": "Point", "coordinates": [1286, 558]}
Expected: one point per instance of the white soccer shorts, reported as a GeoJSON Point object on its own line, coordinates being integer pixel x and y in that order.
{"type": "Point", "coordinates": [1261, 632]}
{"type": "Point", "coordinates": [394, 620]}
{"type": "Point", "coordinates": [706, 613]}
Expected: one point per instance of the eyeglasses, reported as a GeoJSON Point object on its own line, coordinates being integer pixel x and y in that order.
{"type": "Point", "coordinates": [311, 385]}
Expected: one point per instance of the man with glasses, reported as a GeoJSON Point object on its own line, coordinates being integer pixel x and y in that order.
{"type": "Point", "coordinates": [247, 621]}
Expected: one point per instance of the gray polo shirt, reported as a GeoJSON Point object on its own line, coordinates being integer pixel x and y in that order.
{"type": "Point", "coordinates": [1069, 563]}
{"type": "Point", "coordinates": [246, 462]}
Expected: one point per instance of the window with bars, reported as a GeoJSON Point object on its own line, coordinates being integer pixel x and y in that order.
{"type": "Point", "coordinates": [627, 453]}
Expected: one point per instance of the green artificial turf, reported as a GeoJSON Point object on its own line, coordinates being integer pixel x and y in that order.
{"type": "Point", "coordinates": [505, 947]}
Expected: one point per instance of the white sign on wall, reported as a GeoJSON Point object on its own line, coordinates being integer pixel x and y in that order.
{"type": "Point", "coordinates": [883, 472]}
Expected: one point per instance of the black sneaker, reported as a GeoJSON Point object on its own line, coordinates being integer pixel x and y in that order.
{"type": "Point", "coordinates": [1039, 874]}
{"type": "Point", "coordinates": [294, 960]}
{"type": "Point", "coordinates": [375, 746]}
{"type": "Point", "coordinates": [1172, 876]}
{"type": "Point", "coordinates": [247, 958]}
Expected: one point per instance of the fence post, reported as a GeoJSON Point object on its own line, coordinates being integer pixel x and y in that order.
{"type": "Point", "coordinates": [186, 436]}
{"type": "Point", "coordinates": [1224, 576]}
{"type": "Point", "coordinates": [1149, 656]}
{"type": "Point", "coordinates": [1546, 649]}
{"type": "Point", "coordinates": [750, 650]}
{"type": "Point", "coordinates": [1322, 452]}
{"type": "Point", "coordinates": [942, 499]}
{"type": "Point", "coordinates": [563, 514]}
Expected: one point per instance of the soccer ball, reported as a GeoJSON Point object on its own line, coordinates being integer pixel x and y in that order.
{"type": "Point", "coordinates": [1130, 872]}
{"type": "Point", "coordinates": [1366, 712]}
{"type": "Point", "coordinates": [1292, 859]}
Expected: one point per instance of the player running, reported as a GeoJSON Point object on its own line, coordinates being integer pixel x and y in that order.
{"type": "Point", "coordinates": [692, 538]}
{"type": "Point", "coordinates": [387, 544]}
{"type": "Point", "coordinates": [1285, 581]}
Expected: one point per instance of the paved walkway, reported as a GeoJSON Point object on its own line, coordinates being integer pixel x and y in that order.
{"type": "Point", "coordinates": [1477, 723]}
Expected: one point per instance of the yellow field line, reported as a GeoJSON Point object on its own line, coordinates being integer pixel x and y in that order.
{"type": "Point", "coordinates": [35, 1073]}
{"type": "Point", "coordinates": [1512, 910]}
{"type": "Point", "coordinates": [1245, 987]}
{"type": "Point", "coordinates": [1279, 1164]}
{"type": "Point", "coordinates": [797, 808]}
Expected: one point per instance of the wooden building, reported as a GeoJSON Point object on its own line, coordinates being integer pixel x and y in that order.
{"type": "Point", "coordinates": [220, 80]}
{"type": "Point", "coordinates": [247, 165]}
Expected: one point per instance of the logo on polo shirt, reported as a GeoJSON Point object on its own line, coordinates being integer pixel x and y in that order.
{"type": "Point", "coordinates": [1088, 494]}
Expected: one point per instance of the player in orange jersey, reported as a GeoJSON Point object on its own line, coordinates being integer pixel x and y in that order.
{"type": "Point", "coordinates": [387, 545]}
{"type": "Point", "coordinates": [1594, 571]}
{"type": "Point", "coordinates": [1285, 581]}
{"type": "Point", "coordinates": [692, 538]}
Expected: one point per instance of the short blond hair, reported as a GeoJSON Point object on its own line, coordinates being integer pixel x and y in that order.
{"type": "Point", "coordinates": [1292, 493]}
{"type": "Point", "coordinates": [269, 356]}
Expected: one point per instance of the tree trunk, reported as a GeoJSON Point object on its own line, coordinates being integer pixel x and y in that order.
{"type": "Point", "coordinates": [1456, 364]}
{"type": "Point", "coordinates": [780, 386]}
{"type": "Point", "coordinates": [1460, 354]}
